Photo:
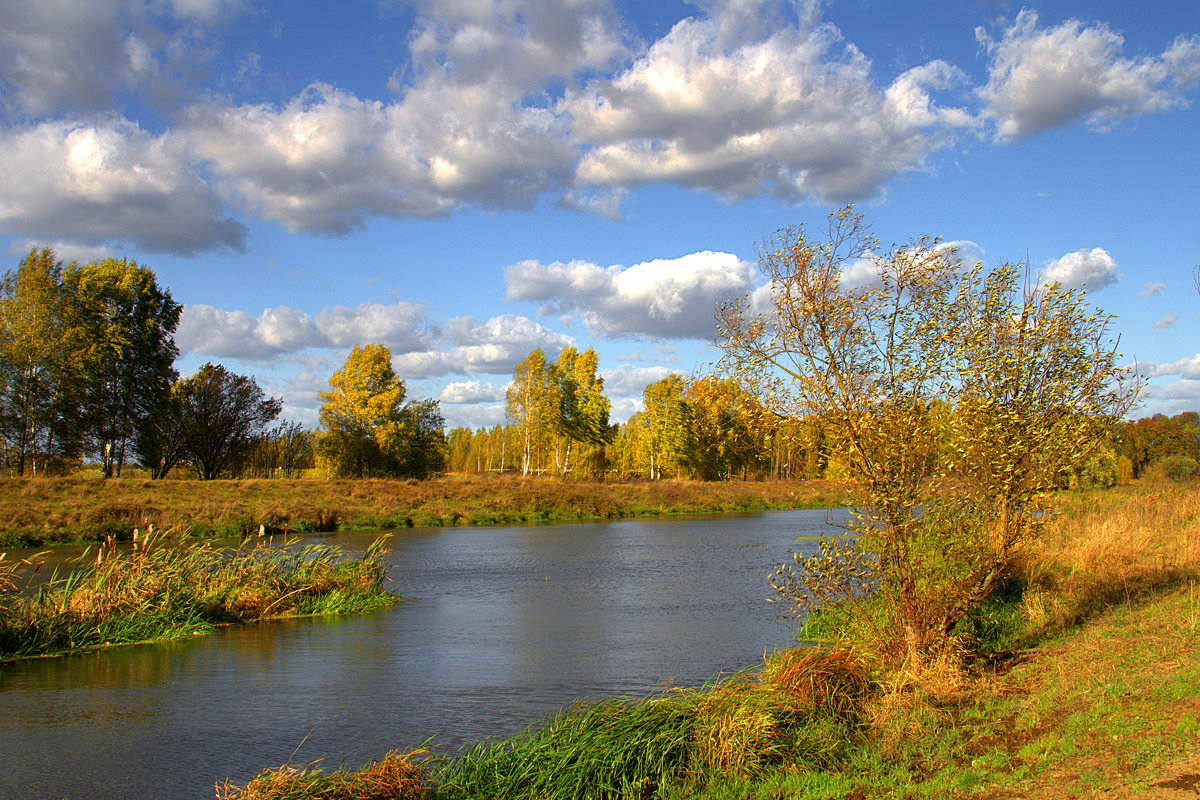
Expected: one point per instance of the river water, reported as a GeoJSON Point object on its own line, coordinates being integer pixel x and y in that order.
{"type": "Point", "coordinates": [505, 625]}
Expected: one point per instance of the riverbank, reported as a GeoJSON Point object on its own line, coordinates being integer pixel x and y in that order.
{"type": "Point", "coordinates": [157, 592]}
{"type": "Point", "coordinates": [1095, 699]}
{"type": "Point", "coordinates": [41, 511]}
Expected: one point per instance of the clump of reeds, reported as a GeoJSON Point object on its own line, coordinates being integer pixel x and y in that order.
{"type": "Point", "coordinates": [393, 777]}
{"type": "Point", "coordinates": [156, 591]}
{"type": "Point", "coordinates": [801, 710]}
{"type": "Point", "coordinates": [609, 749]}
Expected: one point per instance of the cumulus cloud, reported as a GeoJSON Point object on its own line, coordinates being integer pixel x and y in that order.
{"type": "Point", "coordinates": [664, 298]}
{"type": "Point", "coordinates": [1188, 389]}
{"type": "Point", "coordinates": [1048, 78]}
{"type": "Point", "coordinates": [58, 55]}
{"type": "Point", "coordinates": [627, 381]}
{"type": "Point", "coordinates": [402, 325]}
{"type": "Point", "coordinates": [327, 161]}
{"type": "Point", "coordinates": [278, 331]}
{"type": "Point", "coordinates": [461, 392]}
{"type": "Point", "coordinates": [108, 180]}
{"type": "Point", "coordinates": [65, 251]}
{"type": "Point", "coordinates": [493, 347]}
{"type": "Point", "coordinates": [1153, 288]}
{"type": "Point", "coordinates": [1093, 268]}
{"type": "Point", "coordinates": [505, 105]}
{"type": "Point", "coordinates": [1188, 368]}
{"type": "Point", "coordinates": [1169, 321]}
{"type": "Point", "coordinates": [722, 105]}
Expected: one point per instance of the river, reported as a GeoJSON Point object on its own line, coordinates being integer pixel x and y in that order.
{"type": "Point", "coordinates": [504, 625]}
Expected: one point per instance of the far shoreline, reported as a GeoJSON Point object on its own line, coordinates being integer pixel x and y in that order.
{"type": "Point", "coordinates": [76, 510]}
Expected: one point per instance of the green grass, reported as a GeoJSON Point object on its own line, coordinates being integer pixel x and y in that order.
{"type": "Point", "coordinates": [165, 592]}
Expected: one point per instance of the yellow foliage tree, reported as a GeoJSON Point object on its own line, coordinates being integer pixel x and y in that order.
{"type": "Point", "coordinates": [362, 415]}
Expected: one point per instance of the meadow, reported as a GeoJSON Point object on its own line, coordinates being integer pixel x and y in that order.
{"type": "Point", "coordinates": [1086, 689]}
{"type": "Point", "coordinates": [36, 512]}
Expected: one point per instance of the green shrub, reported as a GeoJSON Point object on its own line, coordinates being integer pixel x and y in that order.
{"type": "Point", "coordinates": [1179, 468]}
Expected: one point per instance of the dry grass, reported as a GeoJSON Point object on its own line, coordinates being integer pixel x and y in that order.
{"type": "Point", "coordinates": [43, 510]}
{"type": "Point", "coordinates": [396, 776]}
{"type": "Point", "coordinates": [801, 710]}
{"type": "Point", "coordinates": [1105, 548]}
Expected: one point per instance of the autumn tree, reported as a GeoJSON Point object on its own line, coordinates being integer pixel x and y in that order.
{"type": "Point", "coordinates": [531, 406]}
{"type": "Point", "coordinates": [664, 425]}
{"type": "Point", "coordinates": [1038, 386]}
{"type": "Point", "coordinates": [582, 409]}
{"type": "Point", "coordinates": [726, 429]}
{"type": "Point", "coordinates": [368, 431]}
{"type": "Point", "coordinates": [873, 362]}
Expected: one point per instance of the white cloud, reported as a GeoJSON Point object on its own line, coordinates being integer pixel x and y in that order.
{"type": "Point", "coordinates": [504, 105]}
{"type": "Point", "coordinates": [494, 347]}
{"type": "Point", "coordinates": [625, 407]}
{"type": "Point", "coordinates": [328, 160]}
{"type": "Point", "coordinates": [1093, 268]}
{"type": "Point", "coordinates": [210, 331]}
{"type": "Point", "coordinates": [278, 331]}
{"type": "Point", "coordinates": [462, 392]}
{"type": "Point", "coordinates": [402, 325]}
{"type": "Point", "coordinates": [474, 416]}
{"type": "Point", "coordinates": [739, 109]}
{"type": "Point", "coordinates": [1048, 78]}
{"type": "Point", "coordinates": [626, 381]}
{"type": "Point", "coordinates": [65, 251]}
{"type": "Point", "coordinates": [1153, 288]}
{"type": "Point", "coordinates": [1187, 389]}
{"type": "Point", "coordinates": [1169, 321]}
{"type": "Point", "coordinates": [664, 298]}
{"type": "Point", "coordinates": [108, 180]}
{"type": "Point", "coordinates": [1188, 368]}
{"type": "Point", "coordinates": [60, 55]}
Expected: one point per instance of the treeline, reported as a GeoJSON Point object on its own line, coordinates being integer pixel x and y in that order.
{"type": "Point", "coordinates": [709, 428]}
{"type": "Point", "coordinates": [705, 428]}
{"type": "Point", "coordinates": [87, 374]}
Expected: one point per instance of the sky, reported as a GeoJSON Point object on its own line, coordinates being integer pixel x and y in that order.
{"type": "Point", "coordinates": [465, 181]}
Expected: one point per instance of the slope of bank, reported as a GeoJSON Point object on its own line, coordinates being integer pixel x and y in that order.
{"type": "Point", "coordinates": [41, 511]}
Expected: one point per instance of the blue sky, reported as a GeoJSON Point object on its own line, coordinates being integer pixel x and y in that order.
{"type": "Point", "coordinates": [468, 180]}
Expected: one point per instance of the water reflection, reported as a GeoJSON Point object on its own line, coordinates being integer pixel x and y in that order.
{"type": "Point", "coordinates": [505, 625]}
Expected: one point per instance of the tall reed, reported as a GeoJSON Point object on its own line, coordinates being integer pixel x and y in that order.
{"type": "Point", "coordinates": [156, 591]}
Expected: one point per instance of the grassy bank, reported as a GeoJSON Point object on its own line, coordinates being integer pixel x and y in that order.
{"type": "Point", "coordinates": [1097, 699]}
{"type": "Point", "coordinates": [41, 511]}
{"type": "Point", "coordinates": [167, 592]}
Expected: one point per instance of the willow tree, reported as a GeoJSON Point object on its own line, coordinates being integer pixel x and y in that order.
{"type": "Point", "coordinates": [868, 360]}
{"type": "Point", "coordinates": [1038, 384]}
{"type": "Point", "coordinates": [1032, 377]}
